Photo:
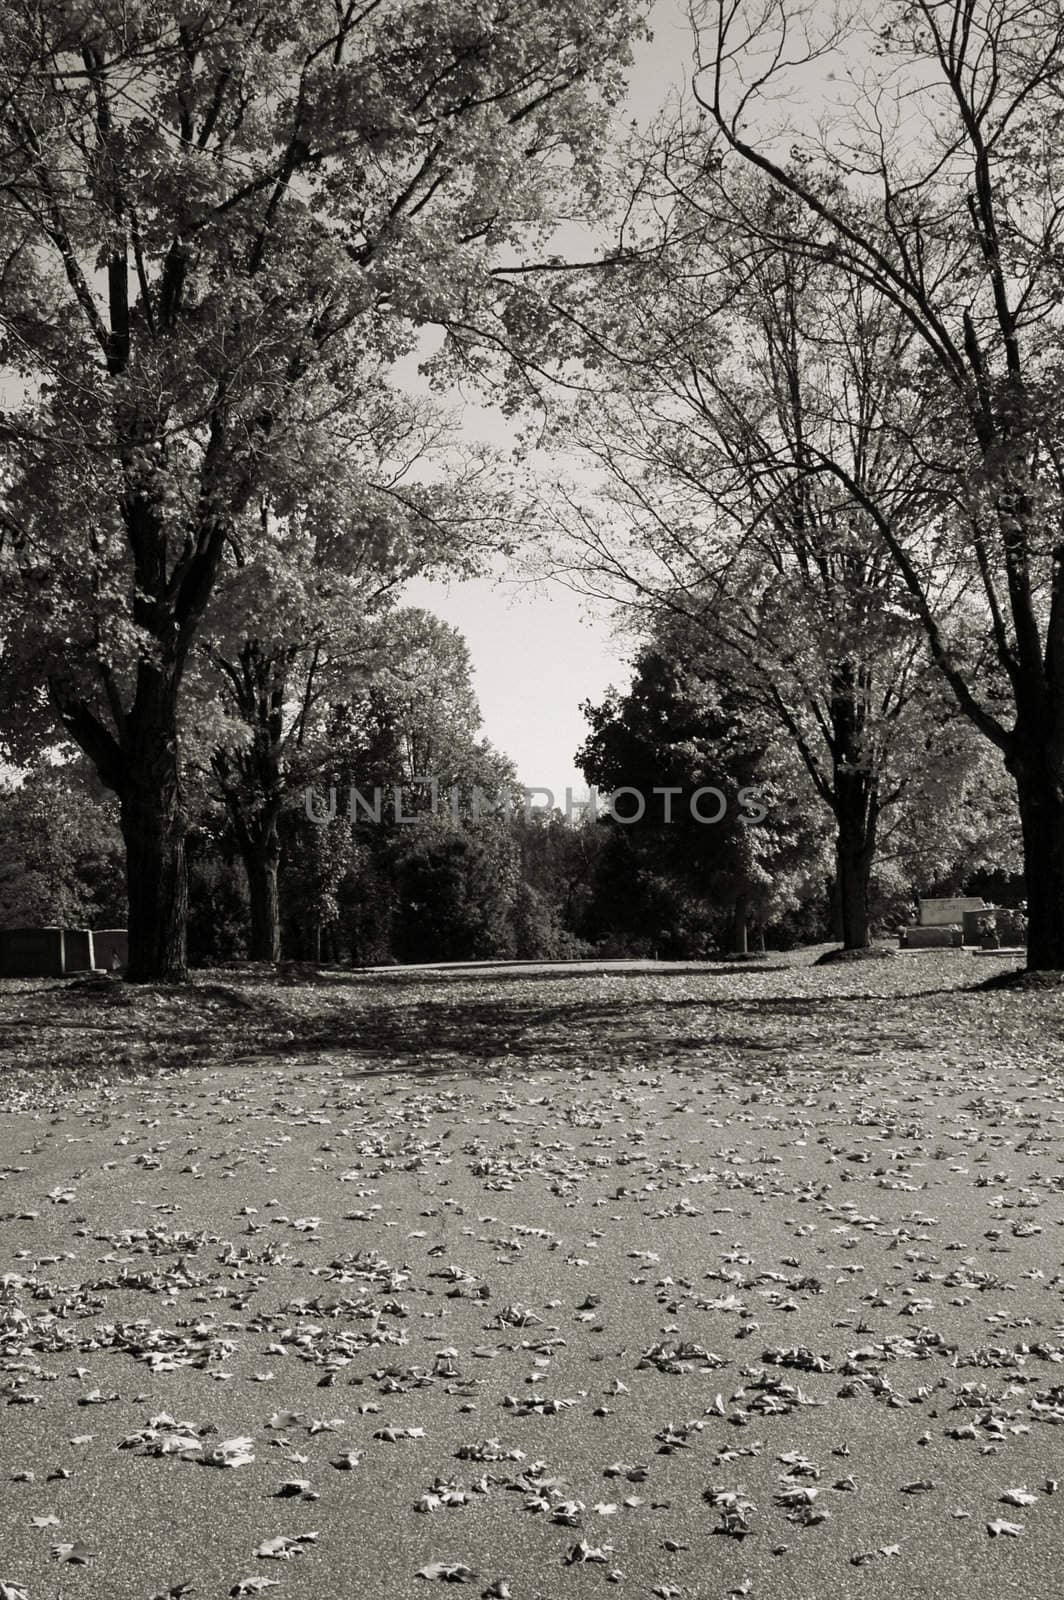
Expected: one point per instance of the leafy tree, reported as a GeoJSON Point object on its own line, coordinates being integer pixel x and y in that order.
{"type": "Point", "coordinates": [421, 700]}
{"type": "Point", "coordinates": [209, 220]}
{"type": "Point", "coordinates": [955, 816]}
{"type": "Point", "coordinates": [317, 858]}
{"type": "Point", "coordinates": [682, 729]}
{"type": "Point", "coordinates": [217, 901]}
{"type": "Point", "coordinates": [929, 185]}
{"type": "Point", "coordinates": [559, 857]}
{"type": "Point", "coordinates": [414, 716]}
{"type": "Point", "coordinates": [455, 890]}
{"type": "Point", "coordinates": [637, 909]}
{"type": "Point", "coordinates": [63, 851]}
{"type": "Point", "coordinates": [718, 377]}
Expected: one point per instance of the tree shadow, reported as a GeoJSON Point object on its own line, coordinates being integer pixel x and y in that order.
{"type": "Point", "coordinates": [78, 1029]}
{"type": "Point", "coordinates": [436, 1034]}
{"type": "Point", "coordinates": [527, 973]}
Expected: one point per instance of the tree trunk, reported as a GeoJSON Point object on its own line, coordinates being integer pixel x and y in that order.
{"type": "Point", "coordinates": [853, 876]}
{"type": "Point", "coordinates": [739, 940]}
{"type": "Point", "coordinates": [261, 856]}
{"type": "Point", "coordinates": [833, 903]}
{"type": "Point", "coordinates": [1041, 798]}
{"type": "Point", "coordinates": [855, 817]}
{"type": "Point", "coordinates": [153, 825]}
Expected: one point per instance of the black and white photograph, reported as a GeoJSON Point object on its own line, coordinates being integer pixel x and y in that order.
{"type": "Point", "coordinates": [531, 799]}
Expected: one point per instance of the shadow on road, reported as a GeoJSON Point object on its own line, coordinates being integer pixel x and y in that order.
{"type": "Point", "coordinates": [76, 1030]}
{"type": "Point", "coordinates": [434, 1035]}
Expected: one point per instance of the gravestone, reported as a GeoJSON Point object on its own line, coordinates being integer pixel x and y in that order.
{"type": "Point", "coordinates": [930, 938]}
{"type": "Point", "coordinates": [44, 952]}
{"type": "Point", "coordinates": [110, 948]}
{"type": "Point", "coordinates": [77, 950]}
{"type": "Point", "coordinates": [943, 913]}
{"type": "Point", "coordinates": [1011, 927]}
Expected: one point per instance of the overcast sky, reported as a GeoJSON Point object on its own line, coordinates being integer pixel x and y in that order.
{"type": "Point", "coordinates": [538, 653]}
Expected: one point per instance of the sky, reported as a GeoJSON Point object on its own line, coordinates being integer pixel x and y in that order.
{"type": "Point", "coordinates": [539, 651]}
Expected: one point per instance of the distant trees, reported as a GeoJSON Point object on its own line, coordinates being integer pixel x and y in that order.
{"type": "Point", "coordinates": [954, 815]}
{"type": "Point", "coordinates": [455, 892]}
{"type": "Point", "coordinates": [703, 415]}
{"type": "Point", "coordinates": [560, 858]}
{"type": "Point", "coordinates": [686, 721]}
{"type": "Point", "coordinates": [395, 866]}
{"type": "Point", "coordinates": [928, 187]}
{"type": "Point", "coordinates": [414, 882]}
{"type": "Point", "coordinates": [214, 224]}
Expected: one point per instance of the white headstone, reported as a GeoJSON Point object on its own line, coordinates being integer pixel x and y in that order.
{"type": "Point", "coordinates": [941, 913]}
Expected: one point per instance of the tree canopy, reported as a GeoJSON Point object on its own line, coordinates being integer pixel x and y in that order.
{"type": "Point", "coordinates": [218, 229]}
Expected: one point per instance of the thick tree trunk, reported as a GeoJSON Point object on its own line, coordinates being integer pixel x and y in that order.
{"type": "Point", "coordinates": [855, 817]}
{"type": "Point", "coordinates": [261, 857]}
{"type": "Point", "coordinates": [252, 785]}
{"type": "Point", "coordinates": [1041, 798]}
{"type": "Point", "coordinates": [154, 825]}
{"type": "Point", "coordinates": [853, 875]}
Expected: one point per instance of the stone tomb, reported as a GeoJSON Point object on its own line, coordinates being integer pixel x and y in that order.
{"type": "Point", "coordinates": [44, 952]}
{"type": "Point", "coordinates": [943, 923]}
{"type": "Point", "coordinates": [949, 912]}
{"type": "Point", "coordinates": [60, 952]}
{"type": "Point", "coordinates": [110, 947]}
{"type": "Point", "coordinates": [932, 938]}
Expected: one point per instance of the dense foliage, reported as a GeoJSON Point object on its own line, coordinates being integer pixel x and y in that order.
{"type": "Point", "coordinates": [818, 379]}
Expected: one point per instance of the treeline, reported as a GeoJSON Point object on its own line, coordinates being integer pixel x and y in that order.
{"type": "Point", "coordinates": [712, 843]}
{"type": "Point", "coordinates": [816, 369]}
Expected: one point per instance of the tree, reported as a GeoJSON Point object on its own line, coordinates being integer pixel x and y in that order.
{"type": "Point", "coordinates": [63, 851]}
{"type": "Point", "coordinates": [208, 219]}
{"type": "Point", "coordinates": [455, 889]}
{"type": "Point", "coordinates": [686, 729]}
{"type": "Point", "coordinates": [718, 374]}
{"type": "Point", "coordinates": [955, 816]}
{"type": "Point", "coordinates": [295, 624]}
{"type": "Point", "coordinates": [931, 186]}
{"type": "Point", "coordinates": [217, 894]}
{"type": "Point", "coordinates": [559, 856]}
{"type": "Point", "coordinates": [405, 738]}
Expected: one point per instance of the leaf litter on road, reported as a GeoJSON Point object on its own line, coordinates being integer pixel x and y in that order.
{"type": "Point", "coordinates": [646, 1256]}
